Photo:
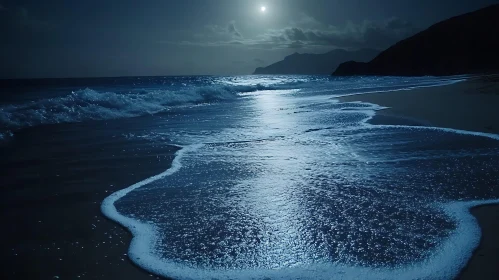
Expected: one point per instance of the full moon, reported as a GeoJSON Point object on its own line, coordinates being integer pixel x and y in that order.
{"type": "Point", "coordinates": [263, 8]}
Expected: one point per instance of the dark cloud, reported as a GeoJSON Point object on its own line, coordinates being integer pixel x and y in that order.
{"type": "Point", "coordinates": [106, 38]}
{"type": "Point", "coordinates": [366, 34]}
{"type": "Point", "coordinates": [231, 28]}
{"type": "Point", "coordinates": [214, 33]}
{"type": "Point", "coordinates": [279, 39]}
{"type": "Point", "coordinates": [296, 45]}
{"type": "Point", "coordinates": [295, 34]}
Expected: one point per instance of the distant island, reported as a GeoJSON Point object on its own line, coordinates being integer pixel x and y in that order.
{"type": "Point", "coordinates": [463, 44]}
{"type": "Point", "coordinates": [316, 63]}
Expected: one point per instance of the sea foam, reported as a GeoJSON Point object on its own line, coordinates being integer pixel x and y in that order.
{"type": "Point", "coordinates": [97, 104]}
{"type": "Point", "coordinates": [89, 104]}
{"type": "Point", "coordinates": [445, 262]}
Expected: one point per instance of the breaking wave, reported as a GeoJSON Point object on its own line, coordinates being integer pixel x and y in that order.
{"type": "Point", "coordinates": [89, 104]}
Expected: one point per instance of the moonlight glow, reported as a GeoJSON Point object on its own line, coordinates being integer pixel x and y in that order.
{"type": "Point", "coordinates": [263, 9]}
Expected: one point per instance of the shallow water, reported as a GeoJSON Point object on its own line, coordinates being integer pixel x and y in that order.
{"type": "Point", "coordinates": [293, 179]}
{"type": "Point", "coordinates": [277, 179]}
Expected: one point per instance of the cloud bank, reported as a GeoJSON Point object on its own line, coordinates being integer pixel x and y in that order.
{"type": "Point", "coordinates": [309, 33]}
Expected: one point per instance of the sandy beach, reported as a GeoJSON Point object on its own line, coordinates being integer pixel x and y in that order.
{"type": "Point", "coordinates": [55, 178]}
{"type": "Point", "coordinates": [469, 105]}
{"type": "Point", "coordinates": [50, 206]}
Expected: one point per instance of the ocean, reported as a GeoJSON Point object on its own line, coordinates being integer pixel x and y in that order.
{"type": "Point", "coordinates": [274, 177]}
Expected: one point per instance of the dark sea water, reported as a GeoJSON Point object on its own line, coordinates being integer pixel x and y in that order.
{"type": "Point", "coordinates": [276, 178]}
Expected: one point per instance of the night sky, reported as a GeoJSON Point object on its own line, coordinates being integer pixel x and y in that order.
{"type": "Point", "coordinates": [42, 39]}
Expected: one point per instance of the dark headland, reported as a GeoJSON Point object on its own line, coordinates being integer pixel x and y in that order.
{"type": "Point", "coordinates": [316, 64]}
{"type": "Point", "coordinates": [463, 44]}
{"type": "Point", "coordinates": [466, 44]}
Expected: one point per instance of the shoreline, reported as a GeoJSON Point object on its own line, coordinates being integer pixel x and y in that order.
{"type": "Point", "coordinates": [483, 263]}
{"type": "Point", "coordinates": [51, 201]}
{"type": "Point", "coordinates": [469, 105]}
{"type": "Point", "coordinates": [136, 229]}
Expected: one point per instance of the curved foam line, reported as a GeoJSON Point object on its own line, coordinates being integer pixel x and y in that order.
{"type": "Point", "coordinates": [446, 83]}
{"type": "Point", "coordinates": [450, 258]}
{"type": "Point", "coordinates": [142, 232]}
{"type": "Point", "coordinates": [446, 262]}
{"type": "Point", "coordinates": [457, 131]}
{"type": "Point", "coordinates": [462, 242]}
{"type": "Point", "coordinates": [371, 112]}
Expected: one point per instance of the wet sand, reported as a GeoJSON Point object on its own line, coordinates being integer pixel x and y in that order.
{"type": "Point", "coordinates": [52, 226]}
{"type": "Point", "coordinates": [485, 261]}
{"type": "Point", "coordinates": [50, 202]}
{"type": "Point", "coordinates": [471, 105]}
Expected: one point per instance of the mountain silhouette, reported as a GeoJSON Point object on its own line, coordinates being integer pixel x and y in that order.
{"type": "Point", "coordinates": [316, 63]}
{"type": "Point", "coordinates": [463, 44]}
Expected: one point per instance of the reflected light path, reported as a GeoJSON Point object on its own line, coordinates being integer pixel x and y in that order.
{"type": "Point", "coordinates": [290, 183]}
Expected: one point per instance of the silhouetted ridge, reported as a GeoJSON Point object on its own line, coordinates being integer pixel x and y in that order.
{"type": "Point", "coordinates": [460, 45]}
{"type": "Point", "coordinates": [315, 63]}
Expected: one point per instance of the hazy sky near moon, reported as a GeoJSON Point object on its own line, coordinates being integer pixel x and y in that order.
{"type": "Point", "coordinates": [59, 38]}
